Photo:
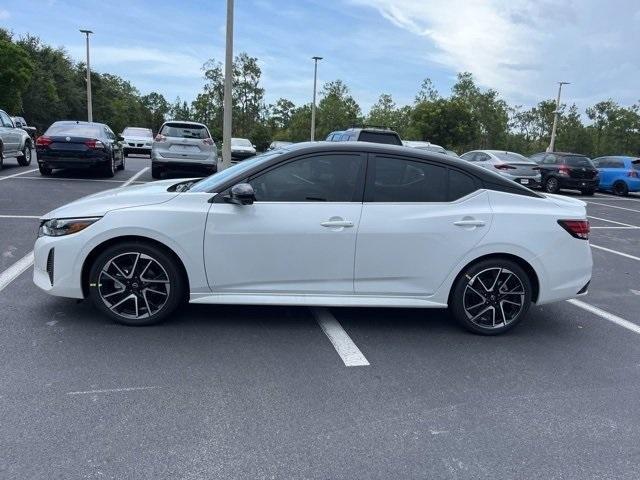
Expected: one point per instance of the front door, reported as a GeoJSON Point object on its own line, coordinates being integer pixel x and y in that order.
{"type": "Point", "coordinates": [298, 237]}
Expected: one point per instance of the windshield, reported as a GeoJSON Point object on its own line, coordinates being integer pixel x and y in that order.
{"type": "Point", "coordinates": [184, 130]}
{"type": "Point", "coordinates": [240, 142]}
{"type": "Point", "coordinates": [209, 184]}
{"type": "Point", "coordinates": [578, 161]}
{"type": "Point", "coordinates": [432, 148]}
{"type": "Point", "coordinates": [512, 157]}
{"type": "Point", "coordinates": [137, 132]}
{"type": "Point", "coordinates": [75, 130]}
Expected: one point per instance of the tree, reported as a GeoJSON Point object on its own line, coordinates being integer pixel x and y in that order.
{"type": "Point", "coordinates": [16, 69]}
{"type": "Point", "coordinates": [386, 113]}
{"type": "Point", "coordinates": [446, 122]}
{"type": "Point", "coordinates": [337, 109]}
{"type": "Point", "coordinates": [157, 108]}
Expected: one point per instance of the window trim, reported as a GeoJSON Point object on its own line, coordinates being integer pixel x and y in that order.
{"type": "Point", "coordinates": [359, 187]}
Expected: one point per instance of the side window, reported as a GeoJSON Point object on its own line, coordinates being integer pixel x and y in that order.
{"type": "Point", "coordinates": [460, 184]}
{"type": "Point", "coordinates": [469, 157]}
{"type": "Point", "coordinates": [616, 163]}
{"type": "Point", "coordinates": [550, 160]}
{"type": "Point", "coordinates": [399, 180]}
{"type": "Point", "coordinates": [482, 157]}
{"type": "Point", "coordinates": [320, 178]}
{"type": "Point", "coordinates": [6, 121]}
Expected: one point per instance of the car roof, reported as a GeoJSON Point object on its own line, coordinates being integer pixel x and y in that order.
{"type": "Point", "coordinates": [185, 122]}
{"type": "Point", "coordinates": [77, 122]}
{"type": "Point", "coordinates": [567, 154]}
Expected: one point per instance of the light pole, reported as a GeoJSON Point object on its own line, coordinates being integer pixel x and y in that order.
{"type": "Point", "coordinates": [552, 143]}
{"type": "Point", "coordinates": [313, 105]}
{"type": "Point", "coordinates": [228, 99]}
{"type": "Point", "coordinates": [89, 105]}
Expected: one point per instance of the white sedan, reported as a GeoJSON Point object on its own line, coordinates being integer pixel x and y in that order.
{"type": "Point", "coordinates": [332, 224]}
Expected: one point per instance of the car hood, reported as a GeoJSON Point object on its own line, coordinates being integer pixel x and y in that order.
{"type": "Point", "coordinates": [243, 149]}
{"type": "Point", "coordinates": [99, 204]}
{"type": "Point", "coordinates": [137, 139]}
{"type": "Point", "coordinates": [562, 200]}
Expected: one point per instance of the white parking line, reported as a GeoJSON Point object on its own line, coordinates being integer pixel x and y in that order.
{"type": "Point", "coordinates": [14, 271]}
{"type": "Point", "coordinates": [19, 216]}
{"type": "Point", "coordinates": [65, 179]}
{"type": "Point", "coordinates": [606, 315]}
{"type": "Point", "coordinates": [622, 254]}
{"type": "Point", "coordinates": [18, 174]}
{"type": "Point", "coordinates": [616, 228]}
{"type": "Point", "coordinates": [348, 351]}
{"type": "Point", "coordinates": [615, 206]}
{"type": "Point", "coordinates": [135, 177]}
{"type": "Point", "coordinates": [612, 221]}
{"type": "Point", "coordinates": [111, 390]}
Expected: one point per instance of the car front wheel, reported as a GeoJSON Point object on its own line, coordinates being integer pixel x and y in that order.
{"type": "Point", "coordinates": [552, 185]}
{"type": "Point", "coordinates": [136, 283]}
{"type": "Point", "coordinates": [491, 296]}
{"type": "Point", "coordinates": [25, 158]}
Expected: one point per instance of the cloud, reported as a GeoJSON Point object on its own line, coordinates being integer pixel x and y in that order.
{"type": "Point", "coordinates": [4, 14]}
{"type": "Point", "coordinates": [522, 47]}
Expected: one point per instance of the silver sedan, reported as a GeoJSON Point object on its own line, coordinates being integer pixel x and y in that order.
{"type": "Point", "coordinates": [511, 165]}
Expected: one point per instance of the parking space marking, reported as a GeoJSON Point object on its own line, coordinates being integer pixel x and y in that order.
{"type": "Point", "coordinates": [616, 228]}
{"type": "Point", "coordinates": [348, 351]}
{"type": "Point", "coordinates": [612, 221]}
{"type": "Point", "coordinates": [20, 216]}
{"type": "Point", "coordinates": [135, 177]}
{"type": "Point", "coordinates": [111, 390]}
{"type": "Point", "coordinates": [606, 315]}
{"type": "Point", "coordinates": [65, 179]}
{"type": "Point", "coordinates": [622, 254]}
{"type": "Point", "coordinates": [615, 206]}
{"type": "Point", "coordinates": [14, 271]}
{"type": "Point", "coordinates": [18, 174]}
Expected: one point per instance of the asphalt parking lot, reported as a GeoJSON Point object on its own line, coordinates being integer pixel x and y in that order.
{"type": "Point", "coordinates": [266, 392]}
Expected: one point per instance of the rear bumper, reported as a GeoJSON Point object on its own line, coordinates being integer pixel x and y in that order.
{"type": "Point", "coordinates": [70, 162]}
{"type": "Point", "coordinates": [210, 167]}
{"type": "Point", "coordinates": [578, 183]}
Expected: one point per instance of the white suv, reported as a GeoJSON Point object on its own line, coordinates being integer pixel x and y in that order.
{"type": "Point", "coordinates": [186, 146]}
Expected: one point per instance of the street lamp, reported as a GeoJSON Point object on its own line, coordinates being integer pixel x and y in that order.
{"type": "Point", "coordinates": [313, 105]}
{"type": "Point", "coordinates": [227, 116]}
{"type": "Point", "coordinates": [552, 143]}
{"type": "Point", "coordinates": [89, 106]}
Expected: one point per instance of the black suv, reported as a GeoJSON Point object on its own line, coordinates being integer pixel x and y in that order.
{"type": "Point", "coordinates": [567, 170]}
{"type": "Point", "coordinates": [366, 134]}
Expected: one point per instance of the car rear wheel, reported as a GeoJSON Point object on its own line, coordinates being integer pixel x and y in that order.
{"type": "Point", "coordinates": [621, 189]}
{"type": "Point", "coordinates": [552, 185]}
{"type": "Point", "coordinates": [44, 170]}
{"type": "Point", "coordinates": [136, 283]}
{"type": "Point", "coordinates": [491, 296]}
{"type": "Point", "coordinates": [109, 169]}
{"type": "Point", "coordinates": [25, 158]}
{"type": "Point", "coordinates": [156, 172]}
{"type": "Point", "coordinates": [122, 163]}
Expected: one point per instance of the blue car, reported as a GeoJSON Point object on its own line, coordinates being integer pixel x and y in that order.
{"type": "Point", "coordinates": [619, 174]}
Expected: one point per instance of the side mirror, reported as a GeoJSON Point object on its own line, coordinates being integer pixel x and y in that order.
{"type": "Point", "coordinates": [253, 146]}
{"type": "Point", "coordinates": [241, 194]}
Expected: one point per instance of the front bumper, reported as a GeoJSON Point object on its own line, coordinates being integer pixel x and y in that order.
{"type": "Point", "coordinates": [62, 277]}
{"type": "Point", "coordinates": [138, 150]}
{"type": "Point", "coordinates": [242, 155]}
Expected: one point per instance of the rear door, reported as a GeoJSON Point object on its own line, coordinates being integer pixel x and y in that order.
{"type": "Point", "coordinates": [9, 134]}
{"type": "Point", "coordinates": [419, 219]}
{"type": "Point", "coordinates": [185, 142]}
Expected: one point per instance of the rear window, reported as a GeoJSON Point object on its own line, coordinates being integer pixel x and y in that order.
{"type": "Point", "coordinates": [240, 142]}
{"type": "Point", "coordinates": [511, 157]}
{"type": "Point", "coordinates": [576, 161]}
{"type": "Point", "coordinates": [380, 137]}
{"type": "Point", "coordinates": [184, 130]}
{"type": "Point", "coordinates": [138, 132]}
{"type": "Point", "coordinates": [635, 164]}
{"type": "Point", "coordinates": [75, 130]}
{"type": "Point", "coordinates": [432, 148]}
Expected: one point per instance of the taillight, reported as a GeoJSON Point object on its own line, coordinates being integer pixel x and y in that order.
{"type": "Point", "coordinates": [94, 144]}
{"type": "Point", "coordinates": [576, 228]}
{"type": "Point", "coordinates": [504, 166]}
{"type": "Point", "coordinates": [563, 170]}
{"type": "Point", "coordinates": [160, 138]}
{"type": "Point", "coordinates": [208, 141]}
{"type": "Point", "coordinates": [43, 141]}
{"type": "Point", "coordinates": [632, 173]}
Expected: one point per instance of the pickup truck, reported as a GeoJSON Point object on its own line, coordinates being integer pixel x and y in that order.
{"type": "Point", "coordinates": [14, 141]}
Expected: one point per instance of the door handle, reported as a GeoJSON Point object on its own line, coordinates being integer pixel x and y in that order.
{"type": "Point", "coordinates": [337, 223]}
{"type": "Point", "coordinates": [469, 223]}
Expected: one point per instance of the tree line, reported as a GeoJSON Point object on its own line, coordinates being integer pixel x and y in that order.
{"type": "Point", "coordinates": [44, 84]}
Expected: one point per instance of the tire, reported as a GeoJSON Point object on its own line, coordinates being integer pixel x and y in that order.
{"type": "Point", "coordinates": [44, 170]}
{"type": "Point", "coordinates": [474, 289]}
{"type": "Point", "coordinates": [136, 294]}
{"type": "Point", "coordinates": [620, 188]}
{"type": "Point", "coordinates": [25, 158]}
{"type": "Point", "coordinates": [551, 185]}
{"type": "Point", "coordinates": [1, 156]}
{"type": "Point", "coordinates": [588, 192]}
{"type": "Point", "coordinates": [156, 172]}
{"type": "Point", "coordinates": [109, 170]}
{"type": "Point", "coordinates": [125, 152]}
{"type": "Point", "coordinates": [122, 163]}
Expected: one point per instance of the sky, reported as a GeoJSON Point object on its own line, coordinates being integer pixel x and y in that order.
{"type": "Point", "coordinates": [521, 48]}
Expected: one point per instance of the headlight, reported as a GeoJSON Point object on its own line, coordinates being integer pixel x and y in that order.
{"type": "Point", "coordinates": [57, 227]}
